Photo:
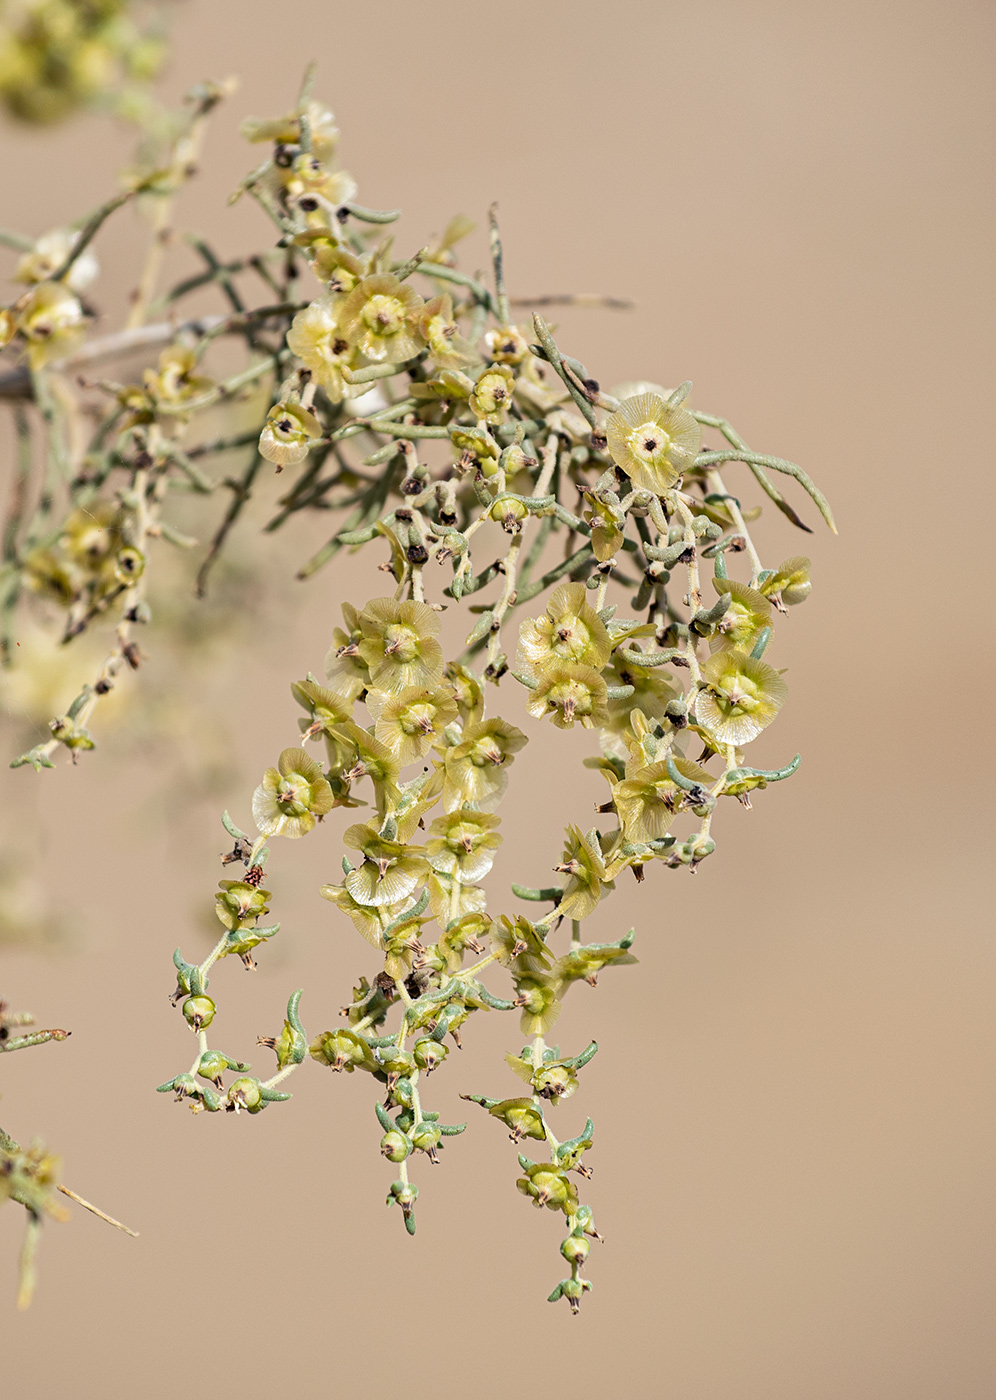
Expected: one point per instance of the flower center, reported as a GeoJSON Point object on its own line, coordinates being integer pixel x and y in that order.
{"type": "Point", "coordinates": [401, 643]}
{"type": "Point", "coordinates": [649, 443]}
{"type": "Point", "coordinates": [384, 315]}
{"type": "Point", "coordinates": [293, 795]}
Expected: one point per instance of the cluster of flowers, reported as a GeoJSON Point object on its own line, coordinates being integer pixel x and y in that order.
{"type": "Point", "coordinates": [59, 55]}
{"type": "Point", "coordinates": [432, 715]}
{"type": "Point", "coordinates": [526, 440]}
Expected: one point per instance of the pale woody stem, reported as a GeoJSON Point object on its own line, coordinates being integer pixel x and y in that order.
{"type": "Point", "coordinates": [202, 1046]}
{"type": "Point", "coordinates": [280, 1074]}
{"type": "Point", "coordinates": [694, 591]}
{"type": "Point", "coordinates": [88, 1205]}
{"type": "Point", "coordinates": [185, 155]}
{"type": "Point", "coordinates": [716, 485]}
{"type": "Point", "coordinates": [512, 557]}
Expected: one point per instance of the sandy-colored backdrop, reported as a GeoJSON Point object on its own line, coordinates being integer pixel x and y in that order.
{"type": "Point", "coordinates": [794, 1163]}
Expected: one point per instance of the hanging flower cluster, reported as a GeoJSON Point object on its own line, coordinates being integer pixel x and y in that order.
{"type": "Point", "coordinates": [604, 511]}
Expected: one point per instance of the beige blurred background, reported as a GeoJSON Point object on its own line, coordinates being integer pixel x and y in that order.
{"type": "Point", "coordinates": [794, 1161]}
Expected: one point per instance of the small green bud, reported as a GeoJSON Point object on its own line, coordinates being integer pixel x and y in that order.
{"type": "Point", "coordinates": [429, 1053]}
{"type": "Point", "coordinates": [573, 1289]}
{"type": "Point", "coordinates": [291, 1045]}
{"type": "Point", "coordinates": [245, 1094]}
{"type": "Point", "coordinates": [396, 1146]}
{"type": "Point", "coordinates": [554, 1082]}
{"type": "Point", "coordinates": [575, 1249]}
{"type": "Point", "coordinates": [395, 1061]}
{"type": "Point", "coordinates": [198, 1012]}
{"type": "Point", "coordinates": [402, 1092]}
{"type": "Point", "coordinates": [546, 1185]}
{"type": "Point", "coordinates": [425, 1138]}
{"type": "Point", "coordinates": [342, 1050]}
{"type": "Point", "coordinates": [213, 1064]}
{"type": "Point", "coordinates": [405, 1193]}
{"type": "Point", "coordinates": [585, 1222]}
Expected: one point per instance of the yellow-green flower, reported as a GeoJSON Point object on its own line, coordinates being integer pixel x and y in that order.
{"type": "Point", "coordinates": [410, 722]}
{"type": "Point", "coordinates": [292, 796]}
{"type": "Point", "coordinates": [365, 917]}
{"type": "Point", "coordinates": [584, 864]}
{"type": "Point", "coordinates": [381, 317]}
{"type": "Point", "coordinates": [507, 345]}
{"type": "Point", "coordinates": [648, 800]}
{"type": "Point", "coordinates": [571, 695]}
{"type": "Point", "coordinates": [327, 708]}
{"type": "Point", "coordinates": [175, 381]}
{"type": "Point", "coordinates": [51, 320]}
{"type": "Point", "coordinates": [91, 536]}
{"type": "Point", "coordinates": [468, 692]}
{"type": "Point", "coordinates": [366, 757]}
{"type": "Point", "coordinates": [571, 631]}
{"type": "Point", "coordinates": [790, 582]}
{"type": "Point", "coordinates": [652, 443]}
{"type": "Point", "coordinates": [414, 800]}
{"type": "Point", "coordinates": [608, 525]}
{"type": "Point", "coordinates": [477, 448]}
{"type": "Point", "coordinates": [443, 395]}
{"type": "Point", "coordinates": [286, 131]}
{"type": "Point", "coordinates": [344, 666]}
{"type": "Point", "coordinates": [463, 843]}
{"type": "Point", "coordinates": [519, 945]}
{"type": "Point", "coordinates": [747, 614]}
{"type": "Point", "coordinates": [315, 338]}
{"type": "Point", "coordinates": [652, 691]}
{"type": "Point", "coordinates": [586, 962]}
{"type": "Point", "coordinates": [49, 253]}
{"type": "Point", "coordinates": [441, 333]}
{"type": "Point", "coordinates": [399, 644]}
{"type": "Point", "coordinates": [741, 696]}
{"type": "Point", "coordinates": [476, 769]}
{"type": "Point", "coordinates": [287, 434]}
{"type": "Point", "coordinates": [308, 176]}
{"type": "Point", "coordinates": [492, 396]}
{"type": "Point", "coordinates": [547, 1185]}
{"type": "Point", "coordinates": [538, 993]}
{"type": "Point", "coordinates": [240, 904]}
{"type": "Point", "coordinates": [446, 955]}
{"type": "Point", "coordinates": [390, 871]}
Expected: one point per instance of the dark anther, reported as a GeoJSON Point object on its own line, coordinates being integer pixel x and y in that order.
{"type": "Point", "coordinates": [591, 385]}
{"type": "Point", "coordinates": [103, 686]}
{"type": "Point", "coordinates": [309, 204]}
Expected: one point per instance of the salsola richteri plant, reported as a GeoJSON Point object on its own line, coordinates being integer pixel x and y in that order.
{"type": "Point", "coordinates": [413, 404]}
